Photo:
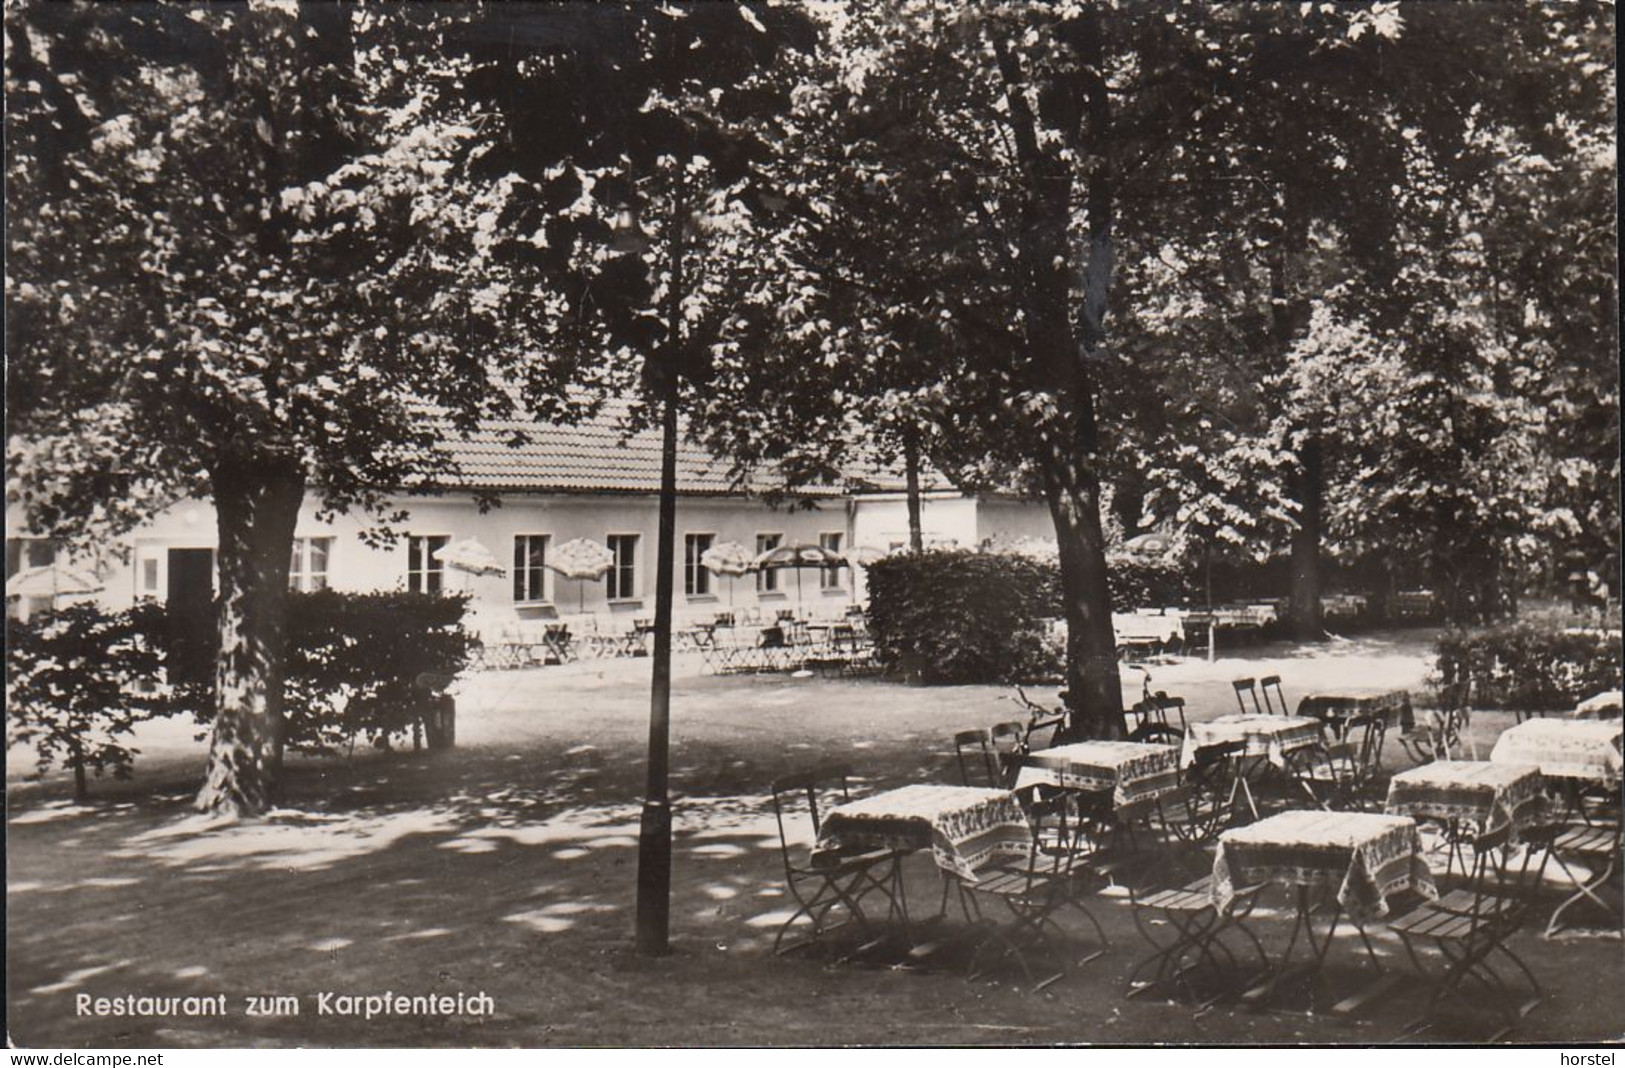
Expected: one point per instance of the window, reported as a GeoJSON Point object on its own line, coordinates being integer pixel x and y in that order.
{"type": "Point", "coordinates": [696, 576]}
{"type": "Point", "coordinates": [530, 567]}
{"type": "Point", "coordinates": [767, 581]}
{"type": "Point", "coordinates": [24, 553]}
{"type": "Point", "coordinates": [309, 568]}
{"type": "Point", "coordinates": [830, 577]}
{"type": "Point", "coordinates": [622, 578]}
{"type": "Point", "coordinates": [424, 571]}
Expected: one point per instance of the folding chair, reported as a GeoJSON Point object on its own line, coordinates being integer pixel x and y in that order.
{"type": "Point", "coordinates": [1033, 893]}
{"type": "Point", "coordinates": [1009, 742]}
{"type": "Point", "coordinates": [1439, 732]}
{"type": "Point", "coordinates": [1154, 710]}
{"type": "Point", "coordinates": [1192, 940]}
{"type": "Point", "coordinates": [1343, 776]}
{"type": "Point", "coordinates": [980, 768]}
{"type": "Point", "coordinates": [1471, 925]}
{"type": "Point", "coordinates": [1278, 707]}
{"type": "Point", "coordinates": [832, 879]}
{"type": "Point", "coordinates": [1247, 687]}
{"type": "Point", "coordinates": [1599, 851]}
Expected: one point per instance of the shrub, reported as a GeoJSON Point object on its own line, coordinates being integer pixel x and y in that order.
{"type": "Point", "coordinates": [1528, 666]}
{"type": "Point", "coordinates": [1149, 583]}
{"type": "Point", "coordinates": [952, 616]}
{"type": "Point", "coordinates": [353, 664]}
{"type": "Point", "coordinates": [78, 680]}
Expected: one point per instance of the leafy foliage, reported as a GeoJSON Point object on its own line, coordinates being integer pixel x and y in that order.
{"type": "Point", "coordinates": [354, 663]}
{"type": "Point", "coordinates": [1529, 666]}
{"type": "Point", "coordinates": [78, 681]}
{"type": "Point", "coordinates": [954, 616]}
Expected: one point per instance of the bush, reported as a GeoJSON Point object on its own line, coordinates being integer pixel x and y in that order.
{"type": "Point", "coordinates": [952, 616]}
{"type": "Point", "coordinates": [1145, 583]}
{"type": "Point", "coordinates": [353, 664]}
{"type": "Point", "coordinates": [1528, 666]}
{"type": "Point", "coordinates": [78, 680]}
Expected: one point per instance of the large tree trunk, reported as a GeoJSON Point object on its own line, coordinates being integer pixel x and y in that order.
{"type": "Point", "coordinates": [1303, 614]}
{"type": "Point", "coordinates": [258, 507]}
{"type": "Point", "coordinates": [911, 474]}
{"type": "Point", "coordinates": [1094, 687]}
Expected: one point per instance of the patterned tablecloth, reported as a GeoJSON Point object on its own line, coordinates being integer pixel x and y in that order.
{"type": "Point", "coordinates": [1608, 706]}
{"type": "Point", "coordinates": [1395, 705]}
{"type": "Point", "coordinates": [962, 825]}
{"type": "Point", "coordinates": [1131, 771]}
{"type": "Point", "coordinates": [1367, 857]}
{"type": "Point", "coordinates": [1480, 793]}
{"type": "Point", "coordinates": [1137, 627]}
{"type": "Point", "coordinates": [1271, 736]}
{"type": "Point", "coordinates": [1564, 748]}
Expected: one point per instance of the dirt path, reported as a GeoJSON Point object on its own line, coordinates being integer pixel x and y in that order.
{"type": "Point", "coordinates": [507, 867]}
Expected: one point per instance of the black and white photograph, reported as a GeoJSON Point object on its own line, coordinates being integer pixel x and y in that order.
{"type": "Point", "coordinates": [812, 523]}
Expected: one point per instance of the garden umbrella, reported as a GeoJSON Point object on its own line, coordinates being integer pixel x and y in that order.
{"type": "Point", "coordinates": [581, 559]}
{"type": "Point", "coordinates": [798, 557]}
{"type": "Point", "coordinates": [1152, 544]}
{"type": "Point", "coordinates": [730, 558]}
{"type": "Point", "coordinates": [469, 557]}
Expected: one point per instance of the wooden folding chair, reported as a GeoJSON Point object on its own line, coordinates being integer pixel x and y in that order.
{"type": "Point", "coordinates": [1034, 894]}
{"type": "Point", "coordinates": [1471, 926]}
{"type": "Point", "coordinates": [821, 883]}
{"type": "Point", "coordinates": [978, 765]}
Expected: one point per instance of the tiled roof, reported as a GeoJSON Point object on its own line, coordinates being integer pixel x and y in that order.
{"type": "Point", "coordinates": [598, 455]}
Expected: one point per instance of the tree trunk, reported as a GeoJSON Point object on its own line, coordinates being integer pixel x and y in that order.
{"type": "Point", "coordinates": [1303, 614]}
{"type": "Point", "coordinates": [1094, 688]}
{"type": "Point", "coordinates": [257, 508]}
{"type": "Point", "coordinates": [911, 474]}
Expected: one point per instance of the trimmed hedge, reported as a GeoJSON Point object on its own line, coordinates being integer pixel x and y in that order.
{"type": "Point", "coordinates": [353, 664]}
{"type": "Point", "coordinates": [1140, 583]}
{"type": "Point", "coordinates": [1528, 666]}
{"type": "Point", "coordinates": [78, 680]}
{"type": "Point", "coordinates": [955, 616]}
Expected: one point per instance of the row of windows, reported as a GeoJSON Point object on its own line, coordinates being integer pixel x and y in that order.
{"type": "Point", "coordinates": [425, 573]}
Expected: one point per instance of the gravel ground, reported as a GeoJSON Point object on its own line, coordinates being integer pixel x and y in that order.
{"type": "Point", "coordinates": [508, 867]}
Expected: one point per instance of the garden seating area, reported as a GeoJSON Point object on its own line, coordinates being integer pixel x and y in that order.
{"type": "Point", "coordinates": [1242, 844]}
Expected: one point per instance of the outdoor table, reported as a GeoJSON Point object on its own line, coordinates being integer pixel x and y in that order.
{"type": "Point", "coordinates": [1361, 858]}
{"type": "Point", "coordinates": [1565, 748]}
{"type": "Point", "coordinates": [1336, 709]}
{"type": "Point", "coordinates": [1266, 740]}
{"type": "Point", "coordinates": [1344, 605]}
{"type": "Point", "coordinates": [1608, 706]}
{"type": "Point", "coordinates": [963, 826]}
{"type": "Point", "coordinates": [1270, 737]}
{"type": "Point", "coordinates": [1127, 771]}
{"type": "Point", "coordinates": [1477, 795]}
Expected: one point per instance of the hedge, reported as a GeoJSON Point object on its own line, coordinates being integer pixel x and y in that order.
{"type": "Point", "coordinates": [353, 665]}
{"type": "Point", "coordinates": [1528, 666]}
{"type": "Point", "coordinates": [954, 616]}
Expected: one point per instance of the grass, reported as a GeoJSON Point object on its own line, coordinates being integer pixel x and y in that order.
{"type": "Point", "coordinates": [508, 867]}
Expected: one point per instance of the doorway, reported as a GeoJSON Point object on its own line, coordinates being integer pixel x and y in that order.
{"type": "Point", "coordinates": [190, 597]}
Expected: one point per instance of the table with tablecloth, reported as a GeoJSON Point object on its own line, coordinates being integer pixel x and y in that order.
{"type": "Point", "coordinates": [1334, 709]}
{"type": "Point", "coordinates": [1608, 706]}
{"type": "Point", "coordinates": [1565, 748]}
{"type": "Point", "coordinates": [1366, 857]}
{"type": "Point", "coordinates": [963, 826]}
{"type": "Point", "coordinates": [1478, 794]}
{"type": "Point", "coordinates": [1129, 771]}
{"type": "Point", "coordinates": [1141, 628]}
{"type": "Point", "coordinates": [1264, 736]}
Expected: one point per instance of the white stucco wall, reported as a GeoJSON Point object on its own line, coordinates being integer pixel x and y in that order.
{"type": "Point", "coordinates": [1007, 519]}
{"type": "Point", "coordinates": [354, 565]}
